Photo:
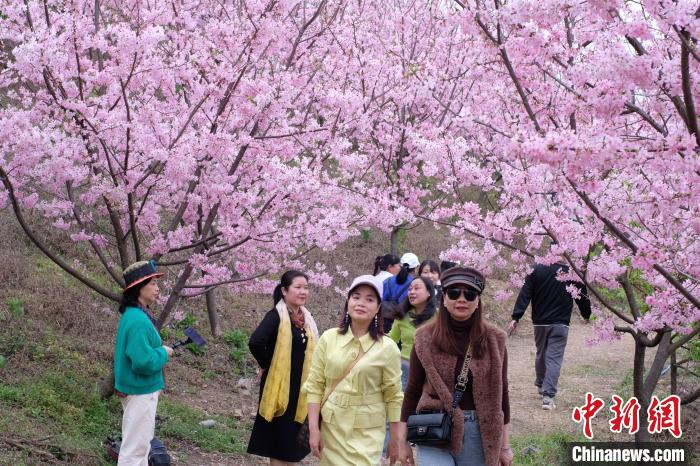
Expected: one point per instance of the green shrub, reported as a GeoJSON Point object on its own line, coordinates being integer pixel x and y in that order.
{"type": "Point", "coordinates": [12, 342]}
{"type": "Point", "coordinates": [237, 341]}
{"type": "Point", "coordinates": [366, 235]}
{"type": "Point", "coordinates": [188, 321]}
{"type": "Point", "coordinates": [14, 305]}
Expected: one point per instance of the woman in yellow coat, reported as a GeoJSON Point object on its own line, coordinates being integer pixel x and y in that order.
{"type": "Point", "coordinates": [354, 413]}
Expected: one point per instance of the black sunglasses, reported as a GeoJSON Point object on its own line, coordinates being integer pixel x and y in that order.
{"type": "Point", "coordinates": [454, 293]}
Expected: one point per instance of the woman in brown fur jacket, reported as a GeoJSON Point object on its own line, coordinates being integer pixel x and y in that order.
{"type": "Point", "coordinates": [480, 422]}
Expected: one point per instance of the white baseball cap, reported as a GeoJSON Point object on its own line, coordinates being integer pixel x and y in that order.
{"type": "Point", "coordinates": [410, 259]}
{"type": "Point", "coordinates": [369, 280]}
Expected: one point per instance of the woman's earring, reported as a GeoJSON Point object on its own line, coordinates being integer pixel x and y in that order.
{"type": "Point", "coordinates": [347, 318]}
{"type": "Point", "coordinates": [376, 320]}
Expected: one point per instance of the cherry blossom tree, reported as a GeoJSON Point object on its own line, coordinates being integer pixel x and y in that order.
{"type": "Point", "coordinates": [197, 134]}
{"type": "Point", "coordinates": [225, 139]}
{"type": "Point", "coordinates": [581, 122]}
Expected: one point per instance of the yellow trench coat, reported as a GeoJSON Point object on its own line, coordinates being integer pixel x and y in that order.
{"type": "Point", "coordinates": [355, 415]}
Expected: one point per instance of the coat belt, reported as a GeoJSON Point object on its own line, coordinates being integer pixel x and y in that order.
{"type": "Point", "coordinates": [345, 399]}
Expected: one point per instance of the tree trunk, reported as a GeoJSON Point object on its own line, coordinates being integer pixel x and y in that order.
{"type": "Point", "coordinates": [642, 434]}
{"type": "Point", "coordinates": [674, 375]}
{"type": "Point", "coordinates": [644, 386]}
{"type": "Point", "coordinates": [213, 313]}
{"type": "Point", "coordinates": [107, 385]}
{"type": "Point", "coordinates": [394, 239]}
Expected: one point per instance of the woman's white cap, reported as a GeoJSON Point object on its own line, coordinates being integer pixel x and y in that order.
{"type": "Point", "coordinates": [369, 280]}
{"type": "Point", "coordinates": [410, 259]}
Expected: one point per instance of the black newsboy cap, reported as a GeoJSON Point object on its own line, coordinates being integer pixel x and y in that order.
{"type": "Point", "coordinates": [463, 276]}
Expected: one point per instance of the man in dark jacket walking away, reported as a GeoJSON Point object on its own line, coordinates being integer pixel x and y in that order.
{"type": "Point", "coordinates": [551, 313]}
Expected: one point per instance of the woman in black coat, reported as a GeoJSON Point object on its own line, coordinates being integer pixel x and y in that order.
{"type": "Point", "coordinates": [283, 343]}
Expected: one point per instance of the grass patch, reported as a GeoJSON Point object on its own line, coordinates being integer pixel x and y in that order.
{"type": "Point", "coordinates": [544, 450]}
{"type": "Point", "coordinates": [625, 388]}
{"type": "Point", "coordinates": [66, 404]}
{"type": "Point", "coordinates": [182, 423]}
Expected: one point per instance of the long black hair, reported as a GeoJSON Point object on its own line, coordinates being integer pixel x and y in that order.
{"type": "Point", "coordinates": [381, 263]}
{"type": "Point", "coordinates": [429, 263]}
{"type": "Point", "coordinates": [285, 282]}
{"type": "Point", "coordinates": [376, 327]}
{"type": "Point", "coordinates": [130, 297]}
{"type": "Point", "coordinates": [430, 306]}
{"type": "Point", "coordinates": [402, 276]}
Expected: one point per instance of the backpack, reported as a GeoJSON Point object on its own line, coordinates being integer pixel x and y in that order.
{"type": "Point", "coordinates": [157, 456]}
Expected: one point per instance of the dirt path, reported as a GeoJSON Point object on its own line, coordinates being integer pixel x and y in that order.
{"type": "Point", "coordinates": [599, 369]}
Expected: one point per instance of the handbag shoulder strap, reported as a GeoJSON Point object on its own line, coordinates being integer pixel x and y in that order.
{"type": "Point", "coordinates": [347, 370]}
{"type": "Point", "coordinates": [462, 379]}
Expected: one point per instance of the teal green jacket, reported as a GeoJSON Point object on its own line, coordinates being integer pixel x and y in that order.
{"type": "Point", "coordinates": [138, 355]}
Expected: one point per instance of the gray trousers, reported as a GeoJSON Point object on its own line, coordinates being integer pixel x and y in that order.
{"type": "Point", "coordinates": [551, 343]}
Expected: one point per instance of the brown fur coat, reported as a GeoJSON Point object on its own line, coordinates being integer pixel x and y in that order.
{"type": "Point", "coordinates": [488, 380]}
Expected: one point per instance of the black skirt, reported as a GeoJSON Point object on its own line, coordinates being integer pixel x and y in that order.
{"type": "Point", "coordinates": [277, 438]}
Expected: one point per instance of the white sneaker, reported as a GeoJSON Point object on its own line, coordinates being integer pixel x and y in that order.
{"type": "Point", "coordinates": [548, 403]}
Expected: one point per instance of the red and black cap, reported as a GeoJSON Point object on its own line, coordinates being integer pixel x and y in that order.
{"type": "Point", "coordinates": [139, 272]}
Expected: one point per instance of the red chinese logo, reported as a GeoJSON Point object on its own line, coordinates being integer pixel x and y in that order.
{"type": "Point", "coordinates": [587, 412]}
{"type": "Point", "coordinates": [661, 415]}
{"type": "Point", "coordinates": [626, 416]}
{"type": "Point", "coordinates": [665, 415]}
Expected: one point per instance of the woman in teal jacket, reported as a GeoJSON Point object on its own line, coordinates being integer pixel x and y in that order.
{"type": "Point", "coordinates": [139, 357]}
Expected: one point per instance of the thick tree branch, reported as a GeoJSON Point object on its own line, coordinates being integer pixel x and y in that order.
{"type": "Point", "coordinates": [688, 89]}
{"type": "Point", "coordinates": [629, 293]}
{"type": "Point", "coordinates": [479, 235]}
{"type": "Point", "coordinates": [662, 353]}
{"type": "Point", "coordinates": [302, 31]}
{"type": "Point", "coordinates": [194, 245]}
{"type": "Point", "coordinates": [55, 258]}
{"type": "Point", "coordinates": [683, 339]}
{"type": "Point", "coordinates": [646, 117]}
{"type": "Point", "coordinates": [95, 247]}
{"type": "Point", "coordinates": [633, 247]}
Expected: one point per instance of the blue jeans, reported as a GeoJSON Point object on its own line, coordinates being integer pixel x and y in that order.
{"type": "Point", "coordinates": [472, 453]}
{"type": "Point", "coordinates": [404, 373]}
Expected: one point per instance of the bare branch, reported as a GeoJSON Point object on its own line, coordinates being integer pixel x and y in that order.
{"type": "Point", "coordinates": [477, 234]}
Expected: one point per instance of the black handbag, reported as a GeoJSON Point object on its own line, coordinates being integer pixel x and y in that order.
{"type": "Point", "coordinates": [435, 428]}
{"type": "Point", "coordinates": [157, 454]}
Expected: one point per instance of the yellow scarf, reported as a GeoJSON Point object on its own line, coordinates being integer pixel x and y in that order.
{"type": "Point", "coordinates": [275, 395]}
